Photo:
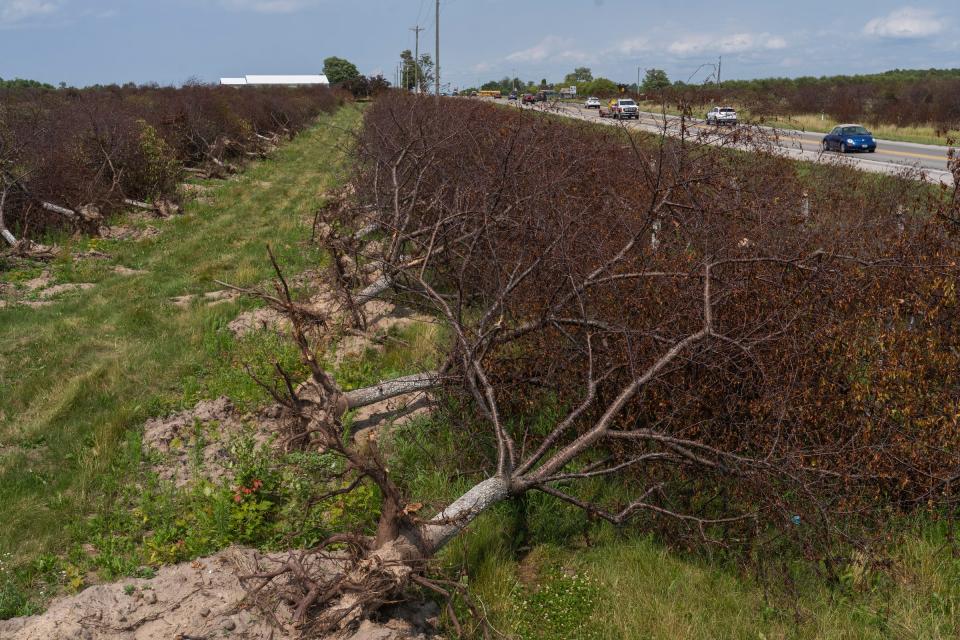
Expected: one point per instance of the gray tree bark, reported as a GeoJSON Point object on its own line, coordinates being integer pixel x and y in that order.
{"type": "Point", "coordinates": [447, 524]}
{"type": "Point", "coordinates": [391, 389]}
{"type": "Point", "coordinates": [69, 213]}
{"type": "Point", "coordinates": [373, 291]}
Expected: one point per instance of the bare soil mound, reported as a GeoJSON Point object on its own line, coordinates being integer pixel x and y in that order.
{"type": "Point", "coordinates": [257, 320]}
{"type": "Point", "coordinates": [209, 298]}
{"type": "Point", "coordinates": [41, 287]}
{"type": "Point", "coordinates": [199, 599]}
{"type": "Point", "coordinates": [395, 411]}
{"type": "Point", "coordinates": [125, 232]}
{"type": "Point", "coordinates": [57, 289]}
{"type": "Point", "coordinates": [196, 442]}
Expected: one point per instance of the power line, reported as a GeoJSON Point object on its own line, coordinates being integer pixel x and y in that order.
{"type": "Point", "coordinates": [416, 55]}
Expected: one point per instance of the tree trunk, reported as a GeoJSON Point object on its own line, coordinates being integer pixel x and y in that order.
{"type": "Point", "coordinates": [365, 231]}
{"type": "Point", "coordinates": [68, 213]}
{"type": "Point", "coordinates": [4, 232]}
{"type": "Point", "coordinates": [391, 389]}
{"type": "Point", "coordinates": [447, 524]}
{"type": "Point", "coordinates": [394, 562]}
{"type": "Point", "coordinates": [382, 283]}
{"type": "Point", "coordinates": [140, 205]}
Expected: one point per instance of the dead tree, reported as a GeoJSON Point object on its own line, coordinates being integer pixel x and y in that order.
{"type": "Point", "coordinates": [688, 366]}
{"type": "Point", "coordinates": [4, 232]}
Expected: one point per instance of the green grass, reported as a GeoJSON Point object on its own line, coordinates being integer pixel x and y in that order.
{"type": "Point", "coordinates": [635, 588]}
{"type": "Point", "coordinates": [81, 376]}
{"type": "Point", "coordinates": [541, 571]}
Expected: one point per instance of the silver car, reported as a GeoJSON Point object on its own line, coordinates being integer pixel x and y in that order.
{"type": "Point", "coordinates": [722, 115]}
{"type": "Point", "coordinates": [592, 103]}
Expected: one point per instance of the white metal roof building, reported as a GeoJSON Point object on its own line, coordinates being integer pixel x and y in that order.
{"type": "Point", "coordinates": [289, 81]}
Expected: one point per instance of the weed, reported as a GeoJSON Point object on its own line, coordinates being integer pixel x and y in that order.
{"type": "Point", "coordinates": [561, 606]}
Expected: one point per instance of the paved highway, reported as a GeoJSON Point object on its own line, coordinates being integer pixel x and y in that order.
{"type": "Point", "coordinates": [921, 160]}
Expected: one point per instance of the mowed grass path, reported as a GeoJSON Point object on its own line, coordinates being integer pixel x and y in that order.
{"type": "Point", "coordinates": [80, 377]}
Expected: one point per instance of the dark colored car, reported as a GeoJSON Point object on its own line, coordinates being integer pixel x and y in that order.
{"type": "Point", "coordinates": [849, 137]}
{"type": "Point", "coordinates": [512, 96]}
{"type": "Point", "coordinates": [528, 98]}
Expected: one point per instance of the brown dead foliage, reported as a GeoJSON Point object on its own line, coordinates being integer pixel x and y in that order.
{"type": "Point", "coordinates": [833, 299]}
{"type": "Point", "coordinates": [108, 147]}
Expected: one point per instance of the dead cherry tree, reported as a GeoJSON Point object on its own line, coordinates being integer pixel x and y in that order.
{"type": "Point", "coordinates": [707, 371]}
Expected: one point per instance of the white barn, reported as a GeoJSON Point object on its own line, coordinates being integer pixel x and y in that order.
{"type": "Point", "coordinates": [287, 81]}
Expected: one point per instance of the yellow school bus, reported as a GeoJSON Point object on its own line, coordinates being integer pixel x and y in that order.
{"type": "Point", "coordinates": [491, 94]}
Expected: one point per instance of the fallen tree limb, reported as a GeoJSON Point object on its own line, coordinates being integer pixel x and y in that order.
{"type": "Point", "coordinates": [373, 291]}
{"type": "Point", "coordinates": [11, 240]}
{"type": "Point", "coordinates": [68, 213]}
{"type": "Point", "coordinates": [391, 389]}
{"type": "Point", "coordinates": [365, 231]}
{"type": "Point", "coordinates": [139, 205]}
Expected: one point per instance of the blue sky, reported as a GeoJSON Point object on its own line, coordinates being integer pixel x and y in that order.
{"type": "Point", "coordinates": [168, 41]}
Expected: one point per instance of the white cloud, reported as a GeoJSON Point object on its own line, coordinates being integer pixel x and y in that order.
{"type": "Point", "coordinates": [268, 6]}
{"type": "Point", "coordinates": [735, 43]}
{"type": "Point", "coordinates": [775, 42]}
{"type": "Point", "coordinates": [689, 45]}
{"type": "Point", "coordinates": [905, 23]}
{"type": "Point", "coordinates": [631, 46]}
{"type": "Point", "coordinates": [550, 48]}
{"type": "Point", "coordinates": [18, 10]}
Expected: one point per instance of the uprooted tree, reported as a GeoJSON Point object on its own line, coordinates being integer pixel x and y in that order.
{"type": "Point", "coordinates": [742, 348]}
{"type": "Point", "coordinates": [69, 156]}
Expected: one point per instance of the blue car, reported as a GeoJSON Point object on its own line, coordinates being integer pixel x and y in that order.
{"type": "Point", "coordinates": [849, 137]}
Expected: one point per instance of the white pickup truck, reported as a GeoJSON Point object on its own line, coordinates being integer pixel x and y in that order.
{"type": "Point", "coordinates": [620, 108]}
{"type": "Point", "coordinates": [722, 115]}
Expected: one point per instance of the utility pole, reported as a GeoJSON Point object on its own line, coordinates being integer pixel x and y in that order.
{"type": "Point", "coordinates": [436, 63]}
{"type": "Point", "coordinates": [638, 81]}
{"type": "Point", "coordinates": [719, 67]}
{"type": "Point", "coordinates": [416, 55]}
